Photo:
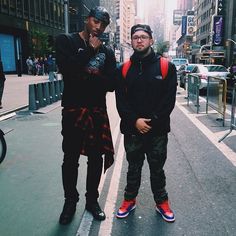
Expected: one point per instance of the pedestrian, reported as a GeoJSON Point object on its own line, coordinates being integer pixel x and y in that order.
{"type": "Point", "coordinates": [232, 69]}
{"type": "Point", "coordinates": [29, 63]}
{"type": "Point", "coordinates": [2, 82]}
{"type": "Point", "coordinates": [88, 68]}
{"type": "Point", "coordinates": [51, 68]}
{"type": "Point", "coordinates": [145, 99]}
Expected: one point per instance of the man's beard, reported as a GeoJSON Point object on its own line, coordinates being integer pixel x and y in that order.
{"type": "Point", "coordinates": [143, 52]}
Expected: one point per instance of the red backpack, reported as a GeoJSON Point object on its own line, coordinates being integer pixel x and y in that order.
{"type": "Point", "coordinates": [163, 63]}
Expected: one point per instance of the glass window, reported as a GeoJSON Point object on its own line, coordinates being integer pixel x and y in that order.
{"type": "Point", "coordinates": [195, 70]}
{"type": "Point", "coordinates": [42, 10]}
{"type": "Point", "coordinates": [47, 11]}
{"type": "Point", "coordinates": [26, 9]}
{"type": "Point", "coordinates": [51, 11]}
{"type": "Point", "coordinates": [55, 12]}
{"type": "Point", "coordinates": [19, 6]}
{"type": "Point", "coordinates": [12, 4]}
{"type": "Point", "coordinates": [4, 6]}
{"type": "Point", "coordinates": [37, 12]}
{"type": "Point", "coordinates": [216, 68]}
{"type": "Point", "coordinates": [32, 15]}
{"type": "Point", "coordinates": [190, 67]}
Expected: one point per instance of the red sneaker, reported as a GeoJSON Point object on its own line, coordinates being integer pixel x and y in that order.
{"type": "Point", "coordinates": [166, 213]}
{"type": "Point", "coordinates": [126, 207]}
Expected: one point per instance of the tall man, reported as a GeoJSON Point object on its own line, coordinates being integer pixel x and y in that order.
{"type": "Point", "coordinates": [145, 99]}
{"type": "Point", "coordinates": [88, 69]}
{"type": "Point", "coordinates": [2, 82]}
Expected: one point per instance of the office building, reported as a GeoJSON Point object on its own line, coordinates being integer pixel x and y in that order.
{"type": "Point", "coordinates": [21, 24]}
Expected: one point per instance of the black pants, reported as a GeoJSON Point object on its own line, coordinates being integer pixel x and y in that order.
{"type": "Point", "coordinates": [71, 145]}
{"type": "Point", "coordinates": [155, 148]}
{"type": "Point", "coordinates": [2, 81]}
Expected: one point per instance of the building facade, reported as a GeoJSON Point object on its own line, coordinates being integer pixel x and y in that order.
{"type": "Point", "coordinates": [214, 33]}
{"type": "Point", "coordinates": [125, 18]}
{"type": "Point", "coordinates": [18, 20]}
{"type": "Point", "coordinates": [78, 11]}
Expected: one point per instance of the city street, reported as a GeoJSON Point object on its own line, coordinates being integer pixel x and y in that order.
{"type": "Point", "coordinates": [73, 40]}
{"type": "Point", "coordinates": [201, 179]}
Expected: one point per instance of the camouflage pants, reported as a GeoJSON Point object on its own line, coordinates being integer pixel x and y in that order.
{"type": "Point", "coordinates": [155, 149]}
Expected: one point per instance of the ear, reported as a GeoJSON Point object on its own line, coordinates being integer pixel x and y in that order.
{"type": "Point", "coordinates": [86, 20]}
{"type": "Point", "coordinates": [151, 42]}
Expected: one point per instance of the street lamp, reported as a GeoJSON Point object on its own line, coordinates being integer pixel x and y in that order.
{"type": "Point", "coordinates": [66, 3]}
{"type": "Point", "coordinates": [230, 53]}
{"type": "Point", "coordinates": [231, 40]}
{"type": "Point", "coordinates": [208, 49]}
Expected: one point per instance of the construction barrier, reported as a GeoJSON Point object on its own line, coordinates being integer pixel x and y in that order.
{"type": "Point", "coordinates": [193, 91]}
{"type": "Point", "coordinates": [216, 96]}
{"type": "Point", "coordinates": [233, 115]}
{"type": "Point", "coordinates": [43, 94]}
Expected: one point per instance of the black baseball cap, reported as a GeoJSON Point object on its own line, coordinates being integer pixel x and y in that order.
{"type": "Point", "coordinates": [138, 27]}
{"type": "Point", "coordinates": [101, 14]}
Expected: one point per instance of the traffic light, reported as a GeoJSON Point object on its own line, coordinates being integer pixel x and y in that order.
{"type": "Point", "coordinates": [187, 48]}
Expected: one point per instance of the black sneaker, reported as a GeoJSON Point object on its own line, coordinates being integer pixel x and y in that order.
{"type": "Point", "coordinates": [68, 212]}
{"type": "Point", "coordinates": [96, 211]}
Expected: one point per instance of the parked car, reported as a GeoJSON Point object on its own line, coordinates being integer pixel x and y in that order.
{"type": "Point", "coordinates": [179, 61]}
{"type": "Point", "coordinates": [203, 71]}
{"type": "Point", "coordinates": [183, 72]}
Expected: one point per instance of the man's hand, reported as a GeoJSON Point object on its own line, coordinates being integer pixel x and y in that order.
{"type": "Point", "coordinates": [94, 42]}
{"type": "Point", "coordinates": [142, 125]}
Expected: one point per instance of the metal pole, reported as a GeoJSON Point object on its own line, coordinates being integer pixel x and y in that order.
{"type": "Point", "coordinates": [231, 41]}
{"type": "Point", "coordinates": [66, 3]}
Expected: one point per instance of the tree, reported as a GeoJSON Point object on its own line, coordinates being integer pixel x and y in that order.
{"type": "Point", "coordinates": [39, 43]}
{"type": "Point", "coordinates": [162, 47]}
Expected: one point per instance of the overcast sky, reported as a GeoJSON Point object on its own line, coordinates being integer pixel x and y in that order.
{"type": "Point", "coordinates": [170, 6]}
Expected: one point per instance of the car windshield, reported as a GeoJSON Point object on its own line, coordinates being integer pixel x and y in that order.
{"type": "Point", "coordinates": [216, 69]}
{"type": "Point", "coordinates": [190, 67]}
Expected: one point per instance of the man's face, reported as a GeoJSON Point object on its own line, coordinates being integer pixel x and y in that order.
{"type": "Point", "coordinates": [95, 26]}
{"type": "Point", "coordinates": [141, 41]}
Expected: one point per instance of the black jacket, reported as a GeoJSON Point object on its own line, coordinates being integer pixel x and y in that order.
{"type": "Point", "coordinates": [81, 88]}
{"type": "Point", "coordinates": [144, 94]}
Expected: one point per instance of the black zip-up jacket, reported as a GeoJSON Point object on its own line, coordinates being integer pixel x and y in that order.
{"type": "Point", "coordinates": [145, 94]}
{"type": "Point", "coordinates": [81, 88]}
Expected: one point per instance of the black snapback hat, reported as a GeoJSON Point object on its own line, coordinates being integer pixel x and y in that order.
{"type": "Point", "coordinates": [138, 27]}
{"type": "Point", "coordinates": [101, 14]}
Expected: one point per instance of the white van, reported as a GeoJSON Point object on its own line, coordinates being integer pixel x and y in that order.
{"type": "Point", "coordinates": [179, 61]}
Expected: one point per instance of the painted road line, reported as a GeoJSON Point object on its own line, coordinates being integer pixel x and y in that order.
{"type": "Point", "coordinates": [106, 226]}
{"type": "Point", "coordinates": [87, 218]}
{"type": "Point", "coordinates": [213, 137]}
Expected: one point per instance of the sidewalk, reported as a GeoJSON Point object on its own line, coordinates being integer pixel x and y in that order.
{"type": "Point", "coordinates": [15, 94]}
{"type": "Point", "coordinates": [210, 123]}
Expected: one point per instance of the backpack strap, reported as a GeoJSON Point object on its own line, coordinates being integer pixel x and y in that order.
{"type": "Point", "coordinates": [125, 68]}
{"type": "Point", "coordinates": [164, 64]}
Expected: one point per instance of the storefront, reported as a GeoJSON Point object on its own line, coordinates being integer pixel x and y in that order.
{"type": "Point", "coordinates": [10, 52]}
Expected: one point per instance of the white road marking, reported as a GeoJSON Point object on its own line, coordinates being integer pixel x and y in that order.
{"type": "Point", "coordinates": [213, 137]}
{"type": "Point", "coordinates": [106, 226]}
{"type": "Point", "coordinates": [87, 218]}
